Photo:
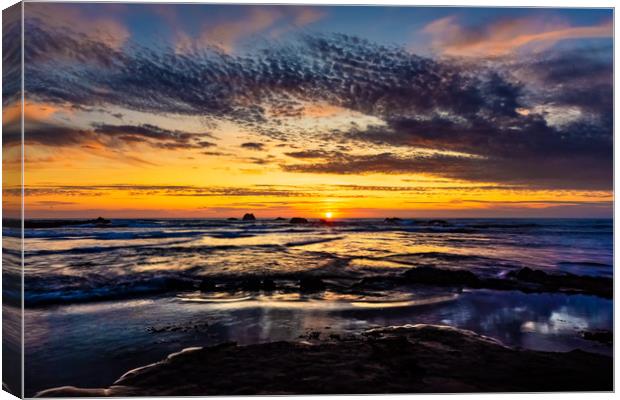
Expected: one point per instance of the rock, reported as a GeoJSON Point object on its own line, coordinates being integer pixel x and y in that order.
{"type": "Point", "coordinates": [392, 220]}
{"type": "Point", "coordinates": [311, 284]}
{"type": "Point", "coordinates": [207, 285]}
{"type": "Point", "coordinates": [280, 219]}
{"type": "Point", "coordinates": [408, 359]}
{"type": "Point", "coordinates": [249, 217]}
{"type": "Point", "coordinates": [298, 220]}
{"type": "Point", "coordinates": [252, 284]}
{"type": "Point", "coordinates": [232, 219]}
{"type": "Point", "coordinates": [102, 221]}
{"type": "Point", "coordinates": [269, 285]}
{"type": "Point", "coordinates": [601, 336]}
{"type": "Point", "coordinates": [442, 277]}
{"type": "Point", "coordinates": [526, 280]}
{"type": "Point", "coordinates": [565, 282]}
{"type": "Point", "coordinates": [180, 284]}
{"type": "Point", "coordinates": [529, 275]}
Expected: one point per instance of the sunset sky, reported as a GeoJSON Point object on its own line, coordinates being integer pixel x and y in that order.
{"type": "Point", "coordinates": [213, 111]}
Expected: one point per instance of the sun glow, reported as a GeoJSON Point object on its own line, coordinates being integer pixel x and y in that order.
{"type": "Point", "coordinates": [329, 214]}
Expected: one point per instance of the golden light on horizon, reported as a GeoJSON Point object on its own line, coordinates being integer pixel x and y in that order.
{"type": "Point", "coordinates": [329, 215]}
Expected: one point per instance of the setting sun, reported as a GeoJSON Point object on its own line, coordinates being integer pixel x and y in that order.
{"type": "Point", "coordinates": [329, 215]}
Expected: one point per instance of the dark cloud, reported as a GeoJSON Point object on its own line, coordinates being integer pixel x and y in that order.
{"type": "Point", "coordinates": [542, 121]}
{"type": "Point", "coordinates": [253, 146]}
{"type": "Point", "coordinates": [204, 144]}
{"type": "Point", "coordinates": [43, 133]}
{"type": "Point", "coordinates": [341, 163]}
{"type": "Point", "coordinates": [581, 78]}
{"type": "Point", "coordinates": [216, 153]}
{"type": "Point", "coordinates": [534, 172]}
{"type": "Point", "coordinates": [154, 135]}
{"type": "Point", "coordinates": [49, 134]}
{"type": "Point", "coordinates": [261, 161]}
{"type": "Point", "coordinates": [145, 130]}
{"type": "Point", "coordinates": [52, 203]}
{"type": "Point", "coordinates": [308, 154]}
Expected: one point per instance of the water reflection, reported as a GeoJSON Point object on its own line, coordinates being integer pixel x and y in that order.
{"type": "Point", "coordinates": [101, 341]}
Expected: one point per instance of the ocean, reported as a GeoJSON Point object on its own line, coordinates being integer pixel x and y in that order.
{"type": "Point", "coordinates": [101, 300]}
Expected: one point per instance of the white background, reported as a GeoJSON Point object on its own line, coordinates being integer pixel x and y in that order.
{"type": "Point", "coordinates": [479, 3]}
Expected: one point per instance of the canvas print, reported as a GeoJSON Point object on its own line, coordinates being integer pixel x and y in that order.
{"type": "Point", "coordinates": [229, 199]}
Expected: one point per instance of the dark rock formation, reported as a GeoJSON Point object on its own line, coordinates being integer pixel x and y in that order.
{"type": "Point", "coordinates": [565, 282]}
{"type": "Point", "coordinates": [269, 285]}
{"type": "Point", "coordinates": [601, 336]}
{"type": "Point", "coordinates": [441, 277]}
{"type": "Point", "coordinates": [529, 275]}
{"type": "Point", "coordinates": [311, 284]}
{"type": "Point", "coordinates": [232, 219]}
{"type": "Point", "coordinates": [298, 220]}
{"type": "Point", "coordinates": [207, 285]}
{"type": "Point", "coordinates": [409, 359]}
{"type": "Point", "coordinates": [172, 284]}
{"type": "Point", "coordinates": [255, 284]}
{"type": "Point", "coordinates": [280, 219]}
{"type": "Point", "coordinates": [249, 217]}
{"type": "Point", "coordinates": [392, 220]}
{"type": "Point", "coordinates": [251, 284]}
{"type": "Point", "coordinates": [525, 280]}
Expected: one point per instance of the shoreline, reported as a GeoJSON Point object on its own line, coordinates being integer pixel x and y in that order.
{"type": "Point", "coordinates": [148, 330]}
{"type": "Point", "coordinates": [407, 359]}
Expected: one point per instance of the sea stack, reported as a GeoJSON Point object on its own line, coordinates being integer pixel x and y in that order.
{"type": "Point", "coordinates": [249, 217]}
{"type": "Point", "coordinates": [102, 221]}
{"type": "Point", "coordinates": [298, 220]}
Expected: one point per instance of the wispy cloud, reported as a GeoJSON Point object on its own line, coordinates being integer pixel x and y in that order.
{"type": "Point", "coordinates": [499, 38]}
{"type": "Point", "coordinates": [104, 26]}
{"type": "Point", "coordinates": [226, 33]}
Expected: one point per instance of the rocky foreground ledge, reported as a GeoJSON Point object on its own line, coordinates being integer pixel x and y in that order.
{"type": "Point", "coordinates": [408, 359]}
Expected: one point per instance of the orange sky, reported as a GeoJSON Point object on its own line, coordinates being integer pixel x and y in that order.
{"type": "Point", "coordinates": [139, 180]}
